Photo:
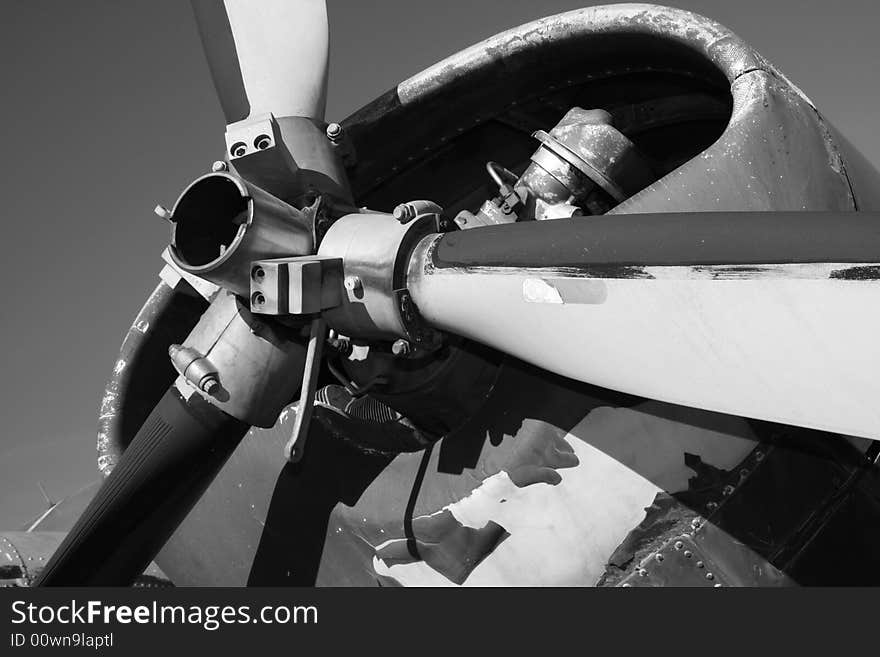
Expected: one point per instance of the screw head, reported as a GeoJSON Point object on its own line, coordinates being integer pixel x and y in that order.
{"type": "Point", "coordinates": [262, 142]}
{"type": "Point", "coordinates": [238, 149]}
{"type": "Point", "coordinates": [353, 283]}
{"type": "Point", "coordinates": [219, 166]}
{"type": "Point", "coordinates": [334, 131]}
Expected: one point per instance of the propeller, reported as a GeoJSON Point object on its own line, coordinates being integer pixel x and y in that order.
{"type": "Point", "coordinates": [765, 315]}
{"type": "Point", "coordinates": [769, 315]}
{"type": "Point", "coordinates": [271, 61]}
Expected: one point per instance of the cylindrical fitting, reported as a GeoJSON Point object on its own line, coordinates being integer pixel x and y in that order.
{"type": "Point", "coordinates": [247, 367]}
{"type": "Point", "coordinates": [582, 152]}
{"type": "Point", "coordinates": [222, 223]}
{"type": "Point", "coordinates": [375, 250]}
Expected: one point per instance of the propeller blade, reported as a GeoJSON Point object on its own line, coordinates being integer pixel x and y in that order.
{"type": "Point", "coordinates": [774, 316]}
{"type": "Point", "coordinates": [269, 56]}
{"type": "Point", "coordinates": [161, 475]}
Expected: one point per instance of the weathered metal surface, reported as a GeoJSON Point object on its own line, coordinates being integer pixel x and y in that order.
{"type": "Point", "coordinates": [547, 479]}
{"type": "Point", "coordinates": [143, 371]}
{"type": "Point", "coordinates": [752, 530]}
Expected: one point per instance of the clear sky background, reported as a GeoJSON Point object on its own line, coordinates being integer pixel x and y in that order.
{"type": "Point", "coordinates": [108, 108]}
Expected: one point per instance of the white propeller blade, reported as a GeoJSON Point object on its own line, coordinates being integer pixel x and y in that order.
{"type": "Point", "coordinates": [266, 55]}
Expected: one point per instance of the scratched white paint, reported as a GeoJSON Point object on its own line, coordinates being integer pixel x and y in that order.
{"type": "Point", "coordinates": [537, 290]}
{"type": "Point", "coordinates": [563, 535]}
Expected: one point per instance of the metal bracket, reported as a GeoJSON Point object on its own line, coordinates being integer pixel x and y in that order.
{"type": "Point", "coordinates": [295, 286]}
{"type": "Point", "coordinates": [258, 153]}
{"type": "Point", "coordinates": [295, 447]}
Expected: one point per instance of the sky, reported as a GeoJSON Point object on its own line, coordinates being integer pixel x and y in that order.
{"type": "Point", "coordinates": [108, 109]}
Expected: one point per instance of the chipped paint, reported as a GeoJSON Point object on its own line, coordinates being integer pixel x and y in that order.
{"type": "Point", "coordinates": [715, 41]}
{"type": "Point", "coordinates": [564, 291]}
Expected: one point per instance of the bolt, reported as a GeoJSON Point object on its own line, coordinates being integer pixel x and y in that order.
{"type": "Point", "coordinates": [162, 212]}
{"type": "Point", "coordinates": [334, 131]}
{"type": "Point", "coordinates": [209, 384]}
{"type": "Point", "coordinates": [400, 347]}
{"type": "Point", "coordinates": [262, 142]}
{"type": "Point", "coordinates": [238, 149]}
{"type": "Point", "coordinates": [353, 284]}
{"type": "Point", "coordinates": [219, 166]}
{"type": "Point", "coordinates": [404, 213]}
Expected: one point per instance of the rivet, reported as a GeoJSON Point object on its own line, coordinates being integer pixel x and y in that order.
{"type": "Point", "coordinates": [642, 572]}
{"type": "Point", "coordinates": [759, 455]}
{"type": "Point", "coordinates": [658, 557]}
{"type": "Point", "coordinates": [700, 564]}
{"type": "Point", "coordinates": [688, 554]}
{"type": "Point", "coordinates": [743, 473]}
{"type": "Point", "coordinates": [710, 576]}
